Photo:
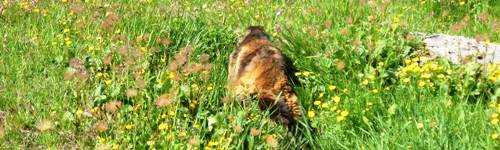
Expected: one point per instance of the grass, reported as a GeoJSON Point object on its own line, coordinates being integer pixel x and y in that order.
{"type": "Point", "coordinates": [99, 74]}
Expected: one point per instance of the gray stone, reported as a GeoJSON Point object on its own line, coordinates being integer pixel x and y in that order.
{"type": "Point", "coordinates": [460, 49]}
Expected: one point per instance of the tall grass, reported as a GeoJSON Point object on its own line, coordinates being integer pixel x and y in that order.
{"type": "Point", "coordinates": [100, 74]}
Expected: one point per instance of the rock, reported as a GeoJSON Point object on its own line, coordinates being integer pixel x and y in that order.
{"type": "Point", "coordinates": [460, 49]}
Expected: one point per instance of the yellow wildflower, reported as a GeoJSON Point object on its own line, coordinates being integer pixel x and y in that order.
{"type": "Point", "coordinates": [311, 114]}
{"type": "Point", "coordinates": [344, 113]}
{"type": "Point", "coordinates": [494, 121]}
{"type": "Point", "coordinates": [426, 75]}
{"type": "Point", "coordinates": [365, 82]}
{"type": "Point", "coordinates": [163, 126]}
{"type": "Point", "coordinates": [150, 143]}
{"type": "Point", "coordinates": [171, 75]}
{"type": "Point", "coordinates": [317, 103]}
{"type": "Point", "coordinates": [336, 99]}
{"type": "Point", "coordinates": [101, 139]}
{"type": "Point", "coordinates": [494, 115]}
{"type": "Point", "coordinates": [494, 136]}
{"type": "Point", "coordinates": [406, 80]}
{"type": "Point", "coordinates": [340, 118]}
{"type": "Point", "coordinates": [332, 87]}
{"type": "Point", "coordinates": [407, 61]}
{"type": "Point", "coordinates": [129, 126]}
{"type": "Point", "coordinates": [306, 73]}
{"type": "Point", "coordinates": [421, 83]}
{"type": "Point", "coordinates": [108, 82]}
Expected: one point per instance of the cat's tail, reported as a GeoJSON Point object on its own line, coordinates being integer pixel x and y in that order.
{"type": "Point", "coordinates": [284, 109]}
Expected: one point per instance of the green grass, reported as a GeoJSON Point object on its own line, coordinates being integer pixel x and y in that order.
{"type": "Point", "coordinates": [64, 65]}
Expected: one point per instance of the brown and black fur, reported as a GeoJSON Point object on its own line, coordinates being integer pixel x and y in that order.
{"type": "Point", "coordinates": [257, 68]}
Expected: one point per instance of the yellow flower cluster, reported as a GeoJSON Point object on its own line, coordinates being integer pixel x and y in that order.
{"type": "Point", "coordinates": [494, 72]}
{"type": "Point", "coordinates": [423, 72]}
{"type": "Point", "coordinates": [495, 119]}
{"type": "Point", "coordinates": [304, 73]}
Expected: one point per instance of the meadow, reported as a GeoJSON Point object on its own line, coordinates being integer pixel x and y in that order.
{"type": "Point", "coordinates": [151, 74]}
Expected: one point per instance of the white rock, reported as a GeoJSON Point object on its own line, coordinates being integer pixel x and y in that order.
{"type": "Point", "coordinates": [459, 49]}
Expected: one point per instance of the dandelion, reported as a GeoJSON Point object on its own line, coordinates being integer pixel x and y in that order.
{"type": "Point", "coordinates": [306, 73]}
{"type": "Point", "coordinates": [150, 143]}
{"type": "Point", "coordinates": [163, 127]}
{"type": "Point", "coordinates": [321, 95]}
{"type": "Point", "coordinates": [426, 75]}
{"type": "Point", "coordinates": [311, 114]}
{"type": "Point", "coordinates": [332, 87]}
{"type": "Point", "coordinates": [340, 118]}
{"type": "Point", "coordinates": [129, 126]}
{"type": "Point", "coordinates": [421, 83]}
{"type": "Point", "coordinates": [494, 121]}
{"type": "Point", "coordinates": [212, 143]}
{"type": "Point", "coordinates": [365, 82]}
{"type": "Point", "coordinates": [494, 136]}
{"type": "Point", "coordinates": [325, 105]}
{"type": "Point", "coordinates": [344, 113]}
{"type": "Point", "coordinates": [101, 139]}
{"type": "Point", "coordinates": [494, 115]}
{"type": "Point", "coordinates": [317, 103]}
{"type": "Point", "coordinates": [108, 82]}
{"type": "Point", "coordinates": [336, 99]}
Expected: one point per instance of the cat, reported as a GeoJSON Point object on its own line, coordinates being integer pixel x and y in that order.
{"type": "Point", "coordinates": [257, 68]}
